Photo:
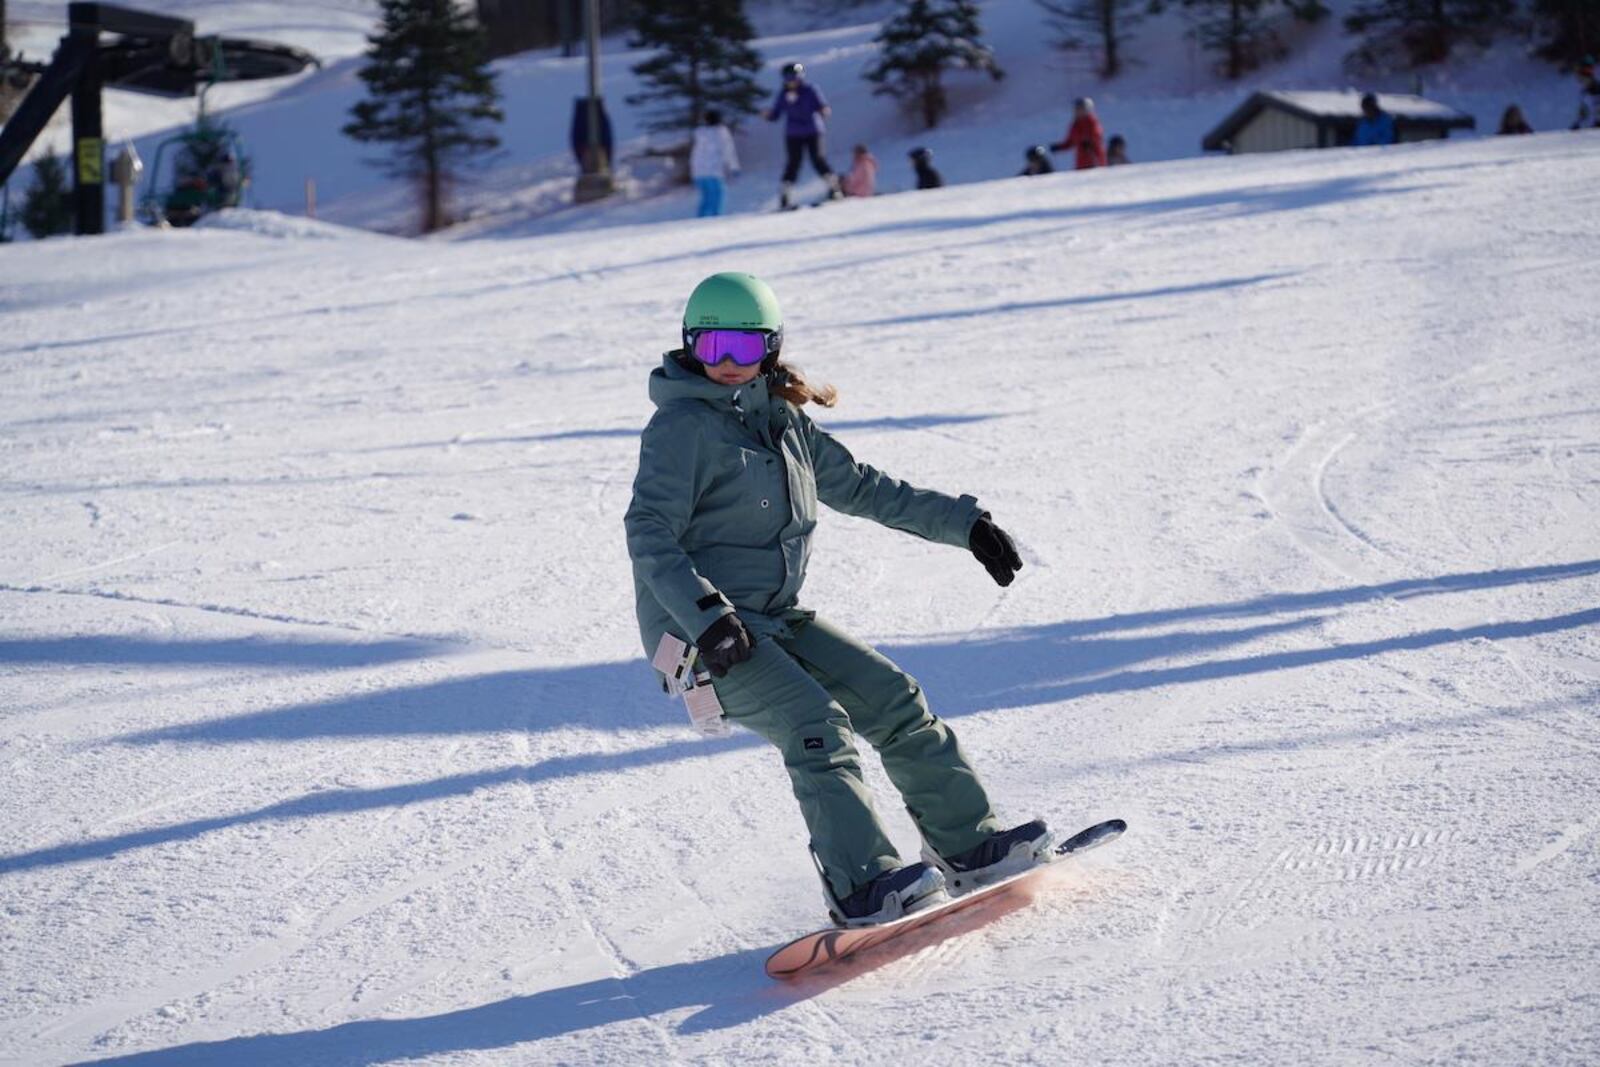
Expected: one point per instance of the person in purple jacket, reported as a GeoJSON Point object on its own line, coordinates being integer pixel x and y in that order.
{"type": "Point", "coordinates": [801, 106]}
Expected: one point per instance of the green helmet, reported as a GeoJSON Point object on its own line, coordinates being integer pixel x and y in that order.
{"type": "Point", "coordinates": [734, 301]}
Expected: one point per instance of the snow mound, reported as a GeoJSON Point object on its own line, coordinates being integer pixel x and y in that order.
{"type": "Point", "coordinates": [279, 225]}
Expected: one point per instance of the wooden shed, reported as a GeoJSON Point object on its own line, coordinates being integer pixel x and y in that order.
{"type": "Point", "coordinates": [1279, 120]}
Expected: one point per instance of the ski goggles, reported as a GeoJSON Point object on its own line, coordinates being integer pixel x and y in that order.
{"type": "Point", "coordinates": [744, 347]}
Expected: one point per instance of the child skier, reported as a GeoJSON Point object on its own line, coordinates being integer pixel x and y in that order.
{"type": "Point", "coordinates": [712, 160]}
{"type": "Point", "coordinates": [863, 177]}
{"type": "Point", "coordinates": [731, 469]}
{"type": "Point", "coordinates": [922, 164]}
{"type": "Point", "coordinates": [801, 106]}
{"type": "Point", "coordinates": [1036, 161]}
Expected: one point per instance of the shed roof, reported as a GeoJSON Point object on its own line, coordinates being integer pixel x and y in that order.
{"type": "Point", "coordinates": [1337, 106]}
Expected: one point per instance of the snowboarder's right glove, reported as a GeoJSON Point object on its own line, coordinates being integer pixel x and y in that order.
{"type": "Point", "coordinates": [725, 643]}
{"type": "Point", "coordinates": [995, 550]}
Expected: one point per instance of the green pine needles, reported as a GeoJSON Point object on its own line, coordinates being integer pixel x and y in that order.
{"type": "Point", "coordinates": [430, 95]}
{"type": "Point", "coordinates": [919, 43]}
{"type": "Point", "coordinates": [703, 59]}
{"type": "Point", "coordinates": [47, 205]}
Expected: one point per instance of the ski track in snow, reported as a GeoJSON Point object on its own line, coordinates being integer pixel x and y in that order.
{"type": "Point", "coordinates": [327, 739]}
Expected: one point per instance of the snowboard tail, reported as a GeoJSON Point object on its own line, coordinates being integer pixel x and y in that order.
{"type": "Point", "coordinates": [821, 947]}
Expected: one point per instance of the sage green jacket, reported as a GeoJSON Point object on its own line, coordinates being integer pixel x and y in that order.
{"type": "Point", "coordinates": [726, 498]}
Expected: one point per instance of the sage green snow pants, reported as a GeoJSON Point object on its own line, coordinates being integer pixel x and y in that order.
{"type": "Point", "coordinates": [806, 692]}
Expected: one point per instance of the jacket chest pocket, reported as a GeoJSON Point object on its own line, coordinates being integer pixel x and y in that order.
{"type": "Point", "coordinates": [764, 483]}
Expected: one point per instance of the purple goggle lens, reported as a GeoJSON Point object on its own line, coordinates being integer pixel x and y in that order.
{"type": "Point", "coordinates": [744, 347]}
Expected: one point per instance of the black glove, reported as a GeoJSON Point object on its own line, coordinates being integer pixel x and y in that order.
{"type": "Point", "coordinates": [725, 643]}
{"type": "Point", "coordinates": [995, 550]}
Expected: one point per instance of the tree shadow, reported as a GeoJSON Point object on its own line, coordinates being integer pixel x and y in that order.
{"type": "Point", "coordinates": [350, 801]}
{"type": "Point", "coordinates": [1018, 668]}
{"type": "Point", "coordinates": [1069, 301]}
{"type": "Point", "coordinates": [1233, 202]}
{"type": "Point", "coordinates": [1009, 668]}
{"type": "Point", "coordinates": [910, 422]}
{"type": "Point", "coordinates": [288, 653]}
{"type": "Point", "coordinates": [613, 696]}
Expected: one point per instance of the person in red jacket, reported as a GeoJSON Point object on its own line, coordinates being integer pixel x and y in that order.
{"type": "Point", "coordinates": [1085, 135]}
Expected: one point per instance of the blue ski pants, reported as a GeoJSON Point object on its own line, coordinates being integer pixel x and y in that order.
{"type": "Point", "coordinates": [712, 192]}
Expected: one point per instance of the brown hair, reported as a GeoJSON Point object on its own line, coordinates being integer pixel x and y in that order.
{"type": "Point", "coordinates": [789, 383]}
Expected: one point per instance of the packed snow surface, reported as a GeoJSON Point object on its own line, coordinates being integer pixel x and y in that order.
{"type": "Point", "coordinates": [326, 738]}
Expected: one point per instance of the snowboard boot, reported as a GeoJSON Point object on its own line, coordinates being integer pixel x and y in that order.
{"type": "Point", "coordinates": [785, 200]}
{"type": "Point", "coordinates": [835, 191]}
{"type": "Point", "coordinates": [1007, 852]}
{"type": "Point", "coordinates": [889, 896]}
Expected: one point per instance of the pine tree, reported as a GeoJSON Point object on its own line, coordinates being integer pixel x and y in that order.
{"type": "Point", "coordinates": [1241, 30]}
{"type": "Point", "coordinates": [1571, 28]}
{"type": "Point", "coordinates": [47, 205]}
{"type": "Point", "coordinates": [430, 94]}
{"type": "Point", "coordinates": [1424, 30]}
{"type": "Point", "coordinates": [919, 43]}
{"type": "Point", "coordinates": [703, 60]}
{"type": "Point", "coordinates": [1106, 23]}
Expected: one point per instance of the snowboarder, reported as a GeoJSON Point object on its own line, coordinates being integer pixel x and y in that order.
{"type": "Point", "coordinates": [1085, 135]}
{"type": "Point", "coordinates": [922, 163]}
{"type": "Point", "coordinates": [1117, 151]}
{"type": "Point", "coordinates": [801, 106]}
{"type": "Point", "coordinates": [712, 160]}
{"type": "Point", "coordinates": [731, 469]}
{"type": "Point", "coordinates": [1376, 126]}
{"type": "Point", "coordinates": [1037, 161]}
{"type": "Point", "coordinates": [863, 177]}
{"type": "Point", "coordinates": [1588, 95]}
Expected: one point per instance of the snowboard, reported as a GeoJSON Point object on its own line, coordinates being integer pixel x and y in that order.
{"type": "Point", "coordinates": [821, 947]}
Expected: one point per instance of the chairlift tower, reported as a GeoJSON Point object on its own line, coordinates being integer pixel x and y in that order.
{"type": "Point", "coordinates": [112, 47]}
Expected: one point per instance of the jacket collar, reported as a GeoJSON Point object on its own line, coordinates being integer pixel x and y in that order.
{"type": "Point", "coordinates": [751, 403]}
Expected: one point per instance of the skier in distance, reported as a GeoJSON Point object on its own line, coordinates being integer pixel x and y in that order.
{"type": "Point", "coordinates": [802, 108]}
{"type": "Point", "coordinates": [731, 469]}
{"type": "Point", "coordinates": [1085, 135]}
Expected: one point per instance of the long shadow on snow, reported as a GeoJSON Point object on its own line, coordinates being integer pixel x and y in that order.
{"type": "Point", "coordinates": [347, 801]}
{"type": "Point", "coordinates": [536, 700]}
{"type": "Point", "coordinates": [1032, 665]}
{"type": "Point", "coordinates": [906, 422]}
{"type": "Point", "coordinates": [1246, 201]}
{"type": "Point", "coordinates": [1038, 665]}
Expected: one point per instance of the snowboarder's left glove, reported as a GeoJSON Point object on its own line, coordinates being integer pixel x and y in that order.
{"type": "Point", "coordinates": [995, 550]}
{"type": "Point", "coordinates": [725, 643]}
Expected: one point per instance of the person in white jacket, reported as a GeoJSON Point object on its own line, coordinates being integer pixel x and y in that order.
{"type": "Point", "coordinates": [712, 161]}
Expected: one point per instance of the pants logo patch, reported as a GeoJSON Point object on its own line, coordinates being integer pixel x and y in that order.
{"type": "Point", "coordinates": [813, 743]}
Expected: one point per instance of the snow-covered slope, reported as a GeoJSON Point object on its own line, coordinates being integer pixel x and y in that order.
{"type": "Point", "coordinates": [1166, 102]}
{"type": "Point", "coordinates": [326, 740]}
